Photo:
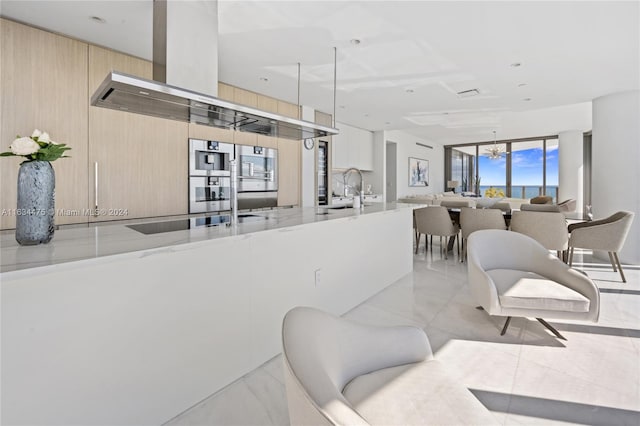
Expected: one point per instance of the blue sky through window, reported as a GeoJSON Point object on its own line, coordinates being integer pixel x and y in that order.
{"type": "Point", "coordinates": [526, 168]}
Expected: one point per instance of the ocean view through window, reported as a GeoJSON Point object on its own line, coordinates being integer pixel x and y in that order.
{"type": "Point", "coordinates": [526, 169]}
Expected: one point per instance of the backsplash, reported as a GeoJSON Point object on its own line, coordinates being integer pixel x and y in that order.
{"type": "Point", "coordinates": [337, 183]}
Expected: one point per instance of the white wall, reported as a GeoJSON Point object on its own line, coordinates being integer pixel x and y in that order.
{"type": "Point", "coordinates": [377, 176]}
{"type": "Point", "coordinates": [570, 167]}
{"type": "Point", "coordinates": [192, 32]}
{"type": "Point", "coordinates": [407, 148]}
{"type": "Point", "coordinates": [615, 162]}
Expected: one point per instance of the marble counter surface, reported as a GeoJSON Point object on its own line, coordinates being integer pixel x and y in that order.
{"type": "Point", "coordinates": [81, 242]}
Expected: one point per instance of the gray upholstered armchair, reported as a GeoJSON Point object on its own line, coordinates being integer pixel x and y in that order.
{"type": "Point", "coordinates": [606, 234]}
{"type": "Point", "coordinates": [339, 372]}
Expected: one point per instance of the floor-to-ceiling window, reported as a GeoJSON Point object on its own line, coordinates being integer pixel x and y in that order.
{"type": "Point", "coordinates": [551, 180]}
{"type": "Point", "coordinates": [527, 169]}
{"type": "Point", "coordinates": [520, 168]}
{"type": "Point", "coordinates": [463, 168]}
{"type": "Point", "coordinates": [492, 170]}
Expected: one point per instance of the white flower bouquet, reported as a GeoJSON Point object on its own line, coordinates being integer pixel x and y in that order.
{"type": "Point", "coordinates": [37, 147]}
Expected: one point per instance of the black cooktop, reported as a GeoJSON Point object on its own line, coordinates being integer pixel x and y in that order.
{"type": "Point", "coordinates": [193, 223]}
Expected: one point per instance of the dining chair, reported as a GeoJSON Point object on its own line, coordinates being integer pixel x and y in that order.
{"type": "Point", "coordinates": [435, 220]}
{"type": "Point", "coordinates": [502, 205]}
{"type": "Point", "coordinates": [456, 204]}
{"type": "Point", "coordinates": [548, 228]}
{"type": "Point", "coordinates": [472, 220]}
{"type": "Point", "coordinates": [608, 234]}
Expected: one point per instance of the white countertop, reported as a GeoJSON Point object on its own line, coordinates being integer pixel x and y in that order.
{"type": "Point", "coordinates": [81, 242]}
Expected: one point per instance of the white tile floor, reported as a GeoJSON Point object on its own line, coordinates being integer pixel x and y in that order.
{"type": "Point", "coordinates": [525, 377]}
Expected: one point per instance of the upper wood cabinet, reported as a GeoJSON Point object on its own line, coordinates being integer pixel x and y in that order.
{"type": "Point", "coordinates": [245, 97]}
{"type": "Point", "coordinates": [43, 85]}
{"type": "Point", "coordinates": [141, 161]}
{"type": "Point", "coordinates": [225, 92]}
{"type": "Point", "coordinates": [288, 110]}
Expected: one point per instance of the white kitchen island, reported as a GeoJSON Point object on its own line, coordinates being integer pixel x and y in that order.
{"type": "Point", "coordinates": [106, 325]}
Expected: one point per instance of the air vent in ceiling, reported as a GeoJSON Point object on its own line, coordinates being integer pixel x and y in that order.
{"type": "Point", "coordinates": [469, 93]}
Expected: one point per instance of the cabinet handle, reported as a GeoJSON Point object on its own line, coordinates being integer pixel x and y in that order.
{"type": "Point", "coordinates": [95, 180]}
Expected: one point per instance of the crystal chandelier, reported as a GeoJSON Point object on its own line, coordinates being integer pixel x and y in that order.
{"type": "Point", "coordinates": [495, 152]}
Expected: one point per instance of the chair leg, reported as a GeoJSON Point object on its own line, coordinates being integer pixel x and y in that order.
{"type": "Point", "coordinates": [506, 325]}
{"type": "Point", "coordinates": [431, 238]}
{"type": "Point", "coordinates": [613, 262]}
{"type": "Point", "coordinates": [446, 256]}
{"type": "Point", "coordinates": [550, 327]}
{"type": "Point", "coordinates": [615, 255]}
{"type": "Point", "coordinates": [458, 243]}
{"type": "Point", "coordinates": [418, 242]}
{"type": "Point", "coordinates": [571, 256]}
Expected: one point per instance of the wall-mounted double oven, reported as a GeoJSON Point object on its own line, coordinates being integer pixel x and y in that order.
{"type": "Point", "coordinates": [210, 176]}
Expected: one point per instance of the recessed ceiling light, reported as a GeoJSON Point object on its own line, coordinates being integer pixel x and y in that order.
{"type": "Point", "coordinates": [366, 115]}
{"type": "Point", "coordinates": [445, 113]}
{"type": "Point", "coordinates": [522, 84]}
{"type": "Point", "coordinates": [98, 20]}
{"type": "Point", "coordinates": [526, 99]}
{"type": "Point", "coordinates": [387, 122]}
{"type": "Point", "coordinates": [342, 107]}
{"type": "Point", "coordinates": [515, 64]}
{"type": "Point", "coordinates": [409, 90]}
{"type": "Point", "coordinates": [355, 41]}
{"type": "Point", "coordinates": [265, 79]}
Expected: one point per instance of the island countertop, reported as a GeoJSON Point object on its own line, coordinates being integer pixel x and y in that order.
{"type": "Point", "coordinates": [81, 242]}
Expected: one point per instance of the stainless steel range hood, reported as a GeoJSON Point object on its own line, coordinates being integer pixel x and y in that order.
{"type": "Point", "coordinates": [189, 38]}
{"type": "Point", "coordinates": [133, 94]}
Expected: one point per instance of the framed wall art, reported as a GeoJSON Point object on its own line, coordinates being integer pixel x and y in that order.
{"type": "Point", "coordinates": [418, 172]}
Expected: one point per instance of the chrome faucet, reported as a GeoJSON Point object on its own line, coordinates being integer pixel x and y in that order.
{"type": "Point", "coordinates": [345, 178]}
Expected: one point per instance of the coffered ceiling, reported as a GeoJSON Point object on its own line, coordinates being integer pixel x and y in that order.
{"type": "Point", "coordinates": [535, 65]}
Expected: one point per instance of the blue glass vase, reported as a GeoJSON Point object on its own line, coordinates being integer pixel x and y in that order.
{"type": "Point", "coordinates": [36, 203]}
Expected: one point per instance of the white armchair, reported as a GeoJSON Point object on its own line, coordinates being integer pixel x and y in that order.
{"type": "Point", "coordinates": [511, 274]}
{"type": "Point", "coordinates": [338, 372]}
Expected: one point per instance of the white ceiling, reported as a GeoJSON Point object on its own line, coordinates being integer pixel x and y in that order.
{"type": "Point", "coordinates": [571, 52]}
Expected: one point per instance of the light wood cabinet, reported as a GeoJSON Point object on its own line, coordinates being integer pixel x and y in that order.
{"type": "Point", "coordinates": [288, 110]}
{"type": "Point", "coordinates": [225, 92]}
{"type": "Point", "coordinates": [142, 161]}
{"type": "Point", "coordinates": [44, 85]}
{"type": "Point", "coordinates": [289, 162]}
{"type": "Point", "coordinates": [289, 170]}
